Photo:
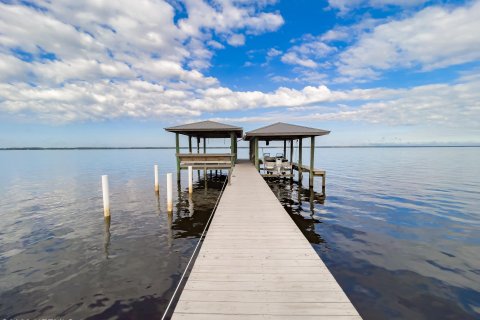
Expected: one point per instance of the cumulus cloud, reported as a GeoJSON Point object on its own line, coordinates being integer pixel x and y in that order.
{"type": "Point", "coordinates": [433, 38]}
{"type": "Point", "coordinates": [306, 53]}
{"type": "Point", "coordinates": [345, 6]}
{"type": "Point", "coordinates": [440, 105]}
{"type": "Point", "coordinates": [68, 61]}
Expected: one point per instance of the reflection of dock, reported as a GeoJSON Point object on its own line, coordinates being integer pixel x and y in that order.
{"type": "Point", "coordinates": [256, 264]}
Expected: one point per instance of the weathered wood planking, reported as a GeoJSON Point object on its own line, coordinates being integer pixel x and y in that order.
{"type": "Point", "coordinates": [256, 264]}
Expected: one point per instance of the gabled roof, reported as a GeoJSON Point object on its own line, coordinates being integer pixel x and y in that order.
{"type": "Point", "coordinates": [280, 131]}
{"type": "Point", "coordinates": [207, 129]}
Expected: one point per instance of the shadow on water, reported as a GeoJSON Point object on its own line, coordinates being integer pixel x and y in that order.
{"type": "Point", "coordinates": [377, 290]}
{"type": "Point", "coordinates": [125, 268]}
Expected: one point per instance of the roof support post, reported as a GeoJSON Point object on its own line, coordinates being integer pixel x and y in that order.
{"type": "Point", "coordinates": [257, 163]}
{"type": "Point", "coordinates": [285, 148]}
{"type": "Point", "coordinates": [177, 149]}
{"type": "Point", "coordinates": [204, 145]}
{"type": "Point", "coordinates": [312, 160]}
{"type": "Point", "coordinates": [300, 167]}
{"type": "Point", "coordinates": [232, 146]}
{"type": "Point", "coordinates": [190, 144]}
{"type": "Point", "coordinates": [198, 144]}
{"type": "Point", "coordinates": [236, 147]}
{"type": "Point", "coordinates": [291, 150]}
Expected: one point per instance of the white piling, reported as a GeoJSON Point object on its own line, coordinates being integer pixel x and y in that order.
{"type": "Point", "coordinates": [190, 179]}
{"type": "Point", "coordinates": [155, 172]}
{"type": "Point", "coordinates": [106, 196]}
{"type": "Point", "coordinates": [169, 193]}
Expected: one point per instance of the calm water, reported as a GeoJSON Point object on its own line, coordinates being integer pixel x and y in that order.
{"type": "Point", "coordinates": [57, 256]}
{"type": "Point", "coordinates": [399, 229]}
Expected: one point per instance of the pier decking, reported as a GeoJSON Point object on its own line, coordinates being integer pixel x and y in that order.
{"type": "Point", "coordinates": [256, 264]}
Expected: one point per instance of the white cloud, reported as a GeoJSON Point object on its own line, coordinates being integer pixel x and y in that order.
{"type": "Point", "coordinates": [440, 106]}
{"type": "Point", "coordinates": [273, 52]}
{"type": "Point", "coordinates": [68, 61]}
{"type": "Point", "coordinates": [345, 6]}
{"type": "Point", "coordinates": [306, 53]}
{"type": "Point", "coordinates": [236, 40]}
{"type": "Point", "coordinates": [433, 38]}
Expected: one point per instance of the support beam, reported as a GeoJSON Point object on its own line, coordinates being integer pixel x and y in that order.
{"type": "Point", "coordinates": [257, 162]}
{"type": "Point", "coordinates": [204, 145]}
{"type": "Point", "coordinates": [177, 149]}
{"type": "Point", "coordinates": [285, 148]}
{"type": "Point", "coordinates": [190, 144]}
{"type": "Point", "coordinates": [312, 161]}
{"type": "Point", "coordinates": [300, 173]}
{"type": "Point", "coordinates": [198, 144]}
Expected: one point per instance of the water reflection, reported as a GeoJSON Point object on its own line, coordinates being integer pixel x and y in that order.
{"type": "Point", "coordinates": [382, 272]}
{"type": "Point", "coordinates": [106, 242]}
{"type": "Point", "coordinates": [59, 259]}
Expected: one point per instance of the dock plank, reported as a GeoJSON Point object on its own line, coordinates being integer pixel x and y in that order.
{"type": "Point", "coordinates": [256, 264]}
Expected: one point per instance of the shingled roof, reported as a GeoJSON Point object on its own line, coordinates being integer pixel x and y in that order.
{"type": "Point", "coordinates": [282, 131]}
{"type": "Point", "coordinates": [207, 129]}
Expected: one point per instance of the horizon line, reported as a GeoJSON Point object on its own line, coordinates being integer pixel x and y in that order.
{"type": "Point", "coordinates": [274, 147]}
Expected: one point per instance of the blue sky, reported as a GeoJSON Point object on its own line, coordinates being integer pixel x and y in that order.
{"type": "Point", "coordinates": [115, 74]}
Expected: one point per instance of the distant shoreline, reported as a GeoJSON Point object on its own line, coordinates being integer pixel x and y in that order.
{"type": "Point", "coordinates": [226, 147]}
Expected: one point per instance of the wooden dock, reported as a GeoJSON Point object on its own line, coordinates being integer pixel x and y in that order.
{"type": "Point", "coordinates": [256, 264]}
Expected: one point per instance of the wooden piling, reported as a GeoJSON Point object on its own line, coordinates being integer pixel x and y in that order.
{"type": "Point", "coordinates": [169, 193]}
{"type": "Point", "coordinates": [190, 179]}
{"type": "Point", "coordinates": [312, 160]}
{"type": "Point", "coordinates": [300, 148]}
{"type": "Point", "coordinates": [106, 196]}
{"type": "Point", "coordinates": [155, 174]}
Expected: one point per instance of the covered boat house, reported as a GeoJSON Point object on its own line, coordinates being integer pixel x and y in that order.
{"type": "Point", "coordinates": [287, 132]}
{"type": "Point", "coordinates": [201, 131]}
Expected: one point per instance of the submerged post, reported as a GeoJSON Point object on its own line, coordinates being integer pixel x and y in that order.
{"type": "Point", "coordinates": [106, 196]}
{"type": "Point", "coordinates": [312, 160]}
{"type": "Point", "coordinates": [155, 173]}
{"type": "Point", "coordinates": [300, 173]}
{"type": "Point", "coordinates": [190, 179]}
{"type": "Point", "coordinates": [169, 193]}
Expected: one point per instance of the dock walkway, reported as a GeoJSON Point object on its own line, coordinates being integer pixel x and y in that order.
{"type": "Point", "coordinates": [256, 264]}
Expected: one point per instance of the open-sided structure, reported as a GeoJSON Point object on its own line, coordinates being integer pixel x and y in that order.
{"type": "Point", "coordinates": [287, 132]}
{"type": "Point", "coordinates": [202, 131]}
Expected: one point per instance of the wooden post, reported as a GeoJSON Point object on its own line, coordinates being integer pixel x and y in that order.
{"type": "Point", "coordinates": [169, 193]}
{"type": "Point", "coordinates": [312, 160]}
{"type": "Point", "coordinates": [236, 147]}
{"type": "Point", "coordinates": [291, 151]}
{"type": "Point", "coordinates": [300, 172]}
{"type": "Point", "coordinates": [106, 196]}
{"type": "Point", "coordinates": [257, 163]}
{"type": "Point", "coordinates": [155, 173]}
{"type": "Point", "coordinates": [190, 144]}
{"type": "Point", "coordinates": [198, 144]}
{"type": "Point", "coordinates": [177, 149]}
{"type": "Point", "coordinates": [190, 179]}
{"type": "Point", "coordinates": [204, 145]}
{"type": "Point", "coordinates": [232, 147]}
{"type": "Point", "coordinates": [285, 148]}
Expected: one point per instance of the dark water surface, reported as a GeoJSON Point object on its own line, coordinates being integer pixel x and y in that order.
{"type": "Point", "coordinates": [399, 229]}
{"type": "Point", "coordinates": [57, 256]}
